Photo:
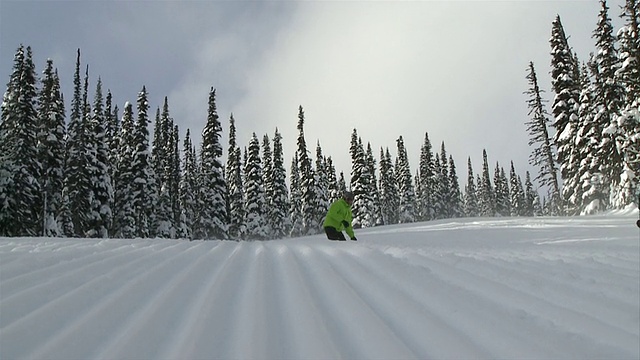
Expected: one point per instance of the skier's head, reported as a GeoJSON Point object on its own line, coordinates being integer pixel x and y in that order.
{"type": "Point", "coordinates": [348, 197]}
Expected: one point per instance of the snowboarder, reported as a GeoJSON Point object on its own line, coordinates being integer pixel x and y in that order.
{"type": "Point", "coordinates": [339, 218]}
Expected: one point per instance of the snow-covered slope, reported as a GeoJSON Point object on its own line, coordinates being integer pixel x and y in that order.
{"type": "Point", "coordinates": [471, 288]}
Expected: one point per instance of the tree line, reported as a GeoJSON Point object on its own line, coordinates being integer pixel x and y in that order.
{"type": "Point", "coordinates": [103, 174]}
{"type": "Point", "coordinates": [591, 162]}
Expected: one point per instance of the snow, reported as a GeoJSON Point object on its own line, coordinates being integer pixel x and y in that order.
{"type": "Point", "coordinates": [544, 288]}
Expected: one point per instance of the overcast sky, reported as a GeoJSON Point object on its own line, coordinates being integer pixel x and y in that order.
{"type": "Point", "coordinates": [454, 69]}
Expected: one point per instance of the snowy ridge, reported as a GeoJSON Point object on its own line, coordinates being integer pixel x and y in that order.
{"type": "Point", "coordinates": [464, 288]}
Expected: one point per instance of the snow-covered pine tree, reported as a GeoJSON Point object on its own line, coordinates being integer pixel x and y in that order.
{"type": "Point", "coordinates": [310, 218]}
{"type": "Point", "coordinates": [455, 197]}
{"type": "Point", "coordinates": [629, 121]}
{"type": "Point", "coordinates": [439, 190]}
{"type": "Point", "coordinates": [424, 197]}
{"type": "Point", "coordinates": [267, 171]}
{"type": "Point", "coordinates": [375, 193]}
{"type": "Point", "coordinates": [564, 72]}
{"type": "Point", "coordinates": [334, 191]}
{"type": "Point", "coordinates": [389, 197]}
{"type": "Point", "coordinates": [362, 207]}
{"type": "Point", "coordinates": [543, 151]}
{"type": "Point", "coordinates": [255, 202]}
{"type": "Point", "coordinates": [188, 190]}
{"type": "Point", "coordinates": [470, 193]}
{"type": "Point", "coordinates": [486, 198]}
{"type": "Point", "coordinates": [112, 130]}
{"type": "Point", "coordinates": [51, 148]}
{"type": "Point", "coordinates": [125, 215]}
{"type": "Point", "coordinates": [21, 194]}
{"type": "Point", "coordinates": [609, 100]}
{"type": "Point", "coordinates": [280, 194]}
{"type": "Point", "coordinates": [501, 188]}
{"type": "Point", "coordinates": [143, 185]}
{"type": "Point", "coordinates": [233, 173]}
{"type": "Point", "coordinates": [444, 186]}
{"type": "Point", "coordinates": [213, 188]}
{"type": "Point", "coordinates": [516, 196]}
{"type": "Point", "coordinates": [405, 185]}
{"type": "Point", "coordinates": [163, 224]}
{"type": "Point", "coordinates": [166, 164]}
{"type": "Point", "coordinates": [77, 177]}
{"type": "Point", "coordinates": [322, 184]}
{"type": "Point", "coordinates": [296, 198]}
{"type": "Point", "coordinates": [101, 217]}
{"type": "Point", "coordinates": [585, 191]}
{"type": "Point", "coordinates": [532, 198]}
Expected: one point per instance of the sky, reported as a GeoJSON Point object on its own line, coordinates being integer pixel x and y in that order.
{"type": "Point", "coordinates": [453, 69]}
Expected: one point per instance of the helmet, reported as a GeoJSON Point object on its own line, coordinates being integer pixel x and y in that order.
{"type": "Point", "coordinates": [348, 195]}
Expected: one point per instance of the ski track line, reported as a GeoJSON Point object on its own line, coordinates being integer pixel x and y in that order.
{"type": "Point", "coordinates": [210, 321]}
{"type": "Point", "coordinates": [590, 296]}
{"type": "Point", "coordinates": [151, 325]}
{"type": "Point", "coordinates": [48, 290]}
{"type": "Point", "coordinates": [398, 298]}
{"type": "Point", "coordinates": [55, 320]}
{"type": "Point", "coordinates": [559, 292]}
{"type": "Point", "coordinates": [249, 324]}
{"type": "Point", "coordinates": [304, 334]}
{"type": "Point", "coordinates": [15, 280]}
{"type": "Point", "coordinates": [192, 329]}
{"type": "Point", "coordinates": [358, 332]}
{"type": "Point", "coordinates": [558, 318]}
{"type": "Point", "coordinates": [517, 333]}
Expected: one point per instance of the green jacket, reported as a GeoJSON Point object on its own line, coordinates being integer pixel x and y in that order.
{"type": "Point", "coordinates": [338, 212]}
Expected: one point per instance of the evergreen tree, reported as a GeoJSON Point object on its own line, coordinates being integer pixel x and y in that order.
{"type": "Point", "coordinates": [267, 171]}
{"type": "Point", "coordinates": [501, 192]}
{"type": "Point", "coordinates": [486, 197]}
{"type": "Point", "coordinates": [51, 150]}
{"type": "Point", "coordinates": [455, 197]}
{"type": "Point", "coordinates": [517, 195]}
{"type": "Point", "coordinates": [542, 155]}
{"type": "Point", "coordinates": [237, 227]}
{"type": "Point", "coordinates": [629, 121]}
{"type": "Point", "coordinates": [310, 217]}
{"type": "Point", "coordinates": [20, 168]}
{"type": "Point", "coordinates": [532, 199]}
{"type": "Point", "coordinates": [389, 197]}
{"type": "Point", "coordinates": [426, 176]}
{"type": "Point", "coordinates": [296, 216]}
{"type": "Point", "coordinates": [322, 184]}
{"type": "Point", "coordinates": [188, 190]}
{"type": "Point", "coordinates": [564, 72]}
{"type": "Point", "coordinates": [374, 191]}
{"type": "Point", "coordinates": [100, 217]}
{"type": "Point", "coordinates": [213, 188]}
{"type": "Point", "coordinates": [125, 215]}
{"type": "Point", "coordinates": [143, 185]}
{"type": "Point", "coordinates": [77, 177]}
{"type": "Point", "coordinates": [405, 185]}
{"type": "Point", "coordinates": [280, 220]}
{"type": "Point", "coordinates": [470, 193]}
{"type": "Point", "coordinates": [334, 190]}
{"type": "Point", "coordinates": [609, 100]}
{"type": "Point", "coordinates": [255, 202]}
{"type": "Point", "coordinates": [362, 207]}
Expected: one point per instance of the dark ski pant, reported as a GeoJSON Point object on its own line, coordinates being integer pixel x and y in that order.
{"type": "Point", "coordinates": [333, 234]}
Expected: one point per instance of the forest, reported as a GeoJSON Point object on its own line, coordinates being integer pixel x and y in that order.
{"type": "Point", "coordinates": [93, 169]}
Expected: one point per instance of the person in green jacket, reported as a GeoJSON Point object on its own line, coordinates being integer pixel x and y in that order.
{"type": "Point", "coordinates": [339, 218]}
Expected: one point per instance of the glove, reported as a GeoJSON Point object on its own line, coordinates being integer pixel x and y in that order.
{"type": "Point", "coordinates": [354, 238]}
{"type": "Point", "coordinates": [345, 223]}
